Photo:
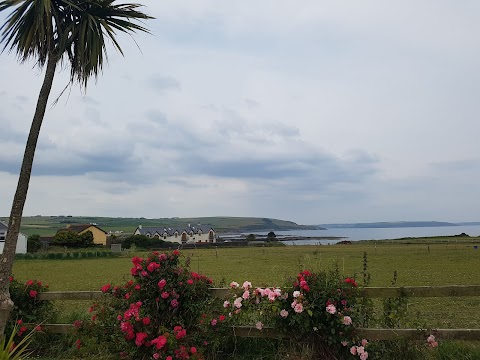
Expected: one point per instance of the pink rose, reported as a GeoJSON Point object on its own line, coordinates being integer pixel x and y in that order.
{"type": "Point", "coordinates": [364, 356]}
{"type": "Point", "coordinates": [259, 325]}
{"type": "Point", "coordinates": [347, 320]}
{"type": "Point", "coordinates": [353, 350]}
{"type": "Point", "coordinates": [247, 285]}
{"type": "Point", "coordinates": [331, 309]}
{"type": "Point", "coordinates": [298, 308]}
{"type": "Point", "coordinates": [284, 313]}
{"type": "Point", "coordinates": [364, 342]}
{"type": "Point", "coordinates": [238, 303]}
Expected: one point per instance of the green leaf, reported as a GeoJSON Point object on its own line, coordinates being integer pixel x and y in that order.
{"type": "Point", "coordinates": [310, 313]}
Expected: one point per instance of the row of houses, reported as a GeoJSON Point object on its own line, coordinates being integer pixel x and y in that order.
{"type": "Point", "coordinates": [181, 235]}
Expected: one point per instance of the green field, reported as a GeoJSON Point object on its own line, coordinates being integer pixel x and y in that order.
{"type": "Point", "coordinates": [416, 264]}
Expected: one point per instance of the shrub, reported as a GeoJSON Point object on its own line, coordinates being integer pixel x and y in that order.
{"type": "Point", "coordinates": [27, 309]}
{"type": "Point", "coordinates": [26, 306]}
{"type": "Point", "coordinates": [165, 310]}
{"type": "Point", "coordinates": [33, 243]}
{"type": "Point", "coordinates": [317, 309]}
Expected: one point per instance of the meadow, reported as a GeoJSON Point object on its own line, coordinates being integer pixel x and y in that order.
{"type": "Point", "coordinates": [416, 264]}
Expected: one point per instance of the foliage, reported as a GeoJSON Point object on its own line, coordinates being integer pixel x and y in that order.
{"type": "Point", "coordinates": [143, 242]}
{"type": "Point", "coordinates": [271, 236]}
{"type": "Point", "coordinates": [70, 238]}
{"type": "Point", "coordinates": [33, 243]}
{"type": "Point", "coordinates": [316, 309]}
{"type": "Point", "coordinates": [27, 308]}
{"type": "Point", "coordinates": [164, 311]}
{"type": "Point", "coordinates": [250, 237]}
{"type": "Point", "coordinates": [395, 309]}
{"type": "Point", "coordinates": [10, 350]}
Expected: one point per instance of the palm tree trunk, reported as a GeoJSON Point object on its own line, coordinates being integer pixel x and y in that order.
{"type": "Point", "coordinates": [8, 255]}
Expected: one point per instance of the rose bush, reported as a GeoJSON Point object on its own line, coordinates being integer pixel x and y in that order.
{"type": "Point", "coordinates": [164, 312]}
{"type": "Point", "coordinates": [29, 310]}
{"type": "Point", "coordinates": [318, 308]}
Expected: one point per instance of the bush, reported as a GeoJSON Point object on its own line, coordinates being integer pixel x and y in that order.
{"type": "Point", "coordinates": [317, 309]}
{"type": "Point", "coordinates": [144, 242]}
{"type": "Point", "coordinates": [27, 309]}
{"type": "Point", "coordinates": [165, 310]}
{"type": "Point", "coordinates": [33, 243]}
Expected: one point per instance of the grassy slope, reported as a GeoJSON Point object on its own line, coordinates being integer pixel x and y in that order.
{"type": "Point", "coordinates": [48, 225]}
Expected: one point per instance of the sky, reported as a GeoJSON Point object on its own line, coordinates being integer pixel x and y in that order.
{"type": "Point", "coordinates": [310, 111]}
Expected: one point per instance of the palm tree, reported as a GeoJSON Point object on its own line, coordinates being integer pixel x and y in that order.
{"type": "Point", "coordinates": [53, 31]}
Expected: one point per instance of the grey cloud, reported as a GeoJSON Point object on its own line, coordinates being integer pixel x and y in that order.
{"type": "Point", "coordinates": [80, 164]}
{"type": "Point", "coordinates": [160, 133]}
{"type": "Point", "coordinates": [21, 98]}
{"type": "Point", "coordinates": [90, 101]}
{"type": "Point", "coordinates": [163, 83]}
{"type": "Point", "coordinates": [320, 168]}
{"type": "Point", "coordinates": [157, 117]}
{"type": "Point", "coordinates": [9, 134]}
{"type": "Point", "coordinates": [459, 166]}
{"type": "Point", "coordinates": [252, 104]}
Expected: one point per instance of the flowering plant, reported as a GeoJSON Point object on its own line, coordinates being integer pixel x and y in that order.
{"type": "Point", "coordinates": [28, 309]}
{"type": "Point", "coordinates": [161, 313]}
{"type": "Point", "coordinates": [26, 306]}
{"type": "Point", "coordinates": [316, 307]}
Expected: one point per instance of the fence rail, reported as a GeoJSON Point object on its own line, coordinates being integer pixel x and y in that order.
{"type": "Point", "coordinates": [369, 292]}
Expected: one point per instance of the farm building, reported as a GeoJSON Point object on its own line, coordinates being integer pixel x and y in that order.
{"type": "Point", "coordinates": [99, 235]}
{"type": "Point", "coordinates": [187, 234]}
{"type": "Point", "coordinates": [21, 242]}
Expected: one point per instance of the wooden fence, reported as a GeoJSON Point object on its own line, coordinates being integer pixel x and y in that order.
{"type": "Point", "coordinates": [369, 292]}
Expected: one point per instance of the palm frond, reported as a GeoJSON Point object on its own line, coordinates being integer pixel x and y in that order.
{"type": "Point", "coordinates": [75, 30]}
{"type": "Point", "coordinates": [28, 30]}
{"type": "Point", "coordinates": [96, 21]}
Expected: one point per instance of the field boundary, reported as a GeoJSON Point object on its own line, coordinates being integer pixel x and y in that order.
{"type": "Point", "coordinates": [268, 332]}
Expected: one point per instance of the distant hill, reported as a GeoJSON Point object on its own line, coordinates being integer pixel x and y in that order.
{"type": "Point", "coordinates": [393, 224]}
{"type": "Point", "coordinates": [48, 225]}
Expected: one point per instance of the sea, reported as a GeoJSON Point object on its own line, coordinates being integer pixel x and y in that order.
{"type": "Point", "coordinates": [355, 234]}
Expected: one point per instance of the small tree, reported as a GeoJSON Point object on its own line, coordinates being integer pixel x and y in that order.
{"type": "Point", "coordinates": [271, 236]}
{"type": "Point", "coordinates": [67, 238]}
{"type": "Point", "coordinates": [85, 239]}
{"type": "Point", "coordinates": [33, 243]}
{"type": "Point", "coordinates": [251, 237]}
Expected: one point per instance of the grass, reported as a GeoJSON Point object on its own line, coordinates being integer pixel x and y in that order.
{"type": "Point", "coordinates": [416, 264]}
{"type": "Point", "coordinates": [443, 264]}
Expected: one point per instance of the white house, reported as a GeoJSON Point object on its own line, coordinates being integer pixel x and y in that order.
{"type": "Point", "coordinates": [188, 234]}
{"type": "Point", "coordinates": [21, 242]}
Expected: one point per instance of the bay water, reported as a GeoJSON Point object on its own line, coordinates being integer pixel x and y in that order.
{"type": "Point", "coordinates": [355, 234]}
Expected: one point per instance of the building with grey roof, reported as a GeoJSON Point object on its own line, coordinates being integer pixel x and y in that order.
{"type": "Point", "coordinates": [21, 242]}
{"type": "Point", "coordinates": [181, 235]}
